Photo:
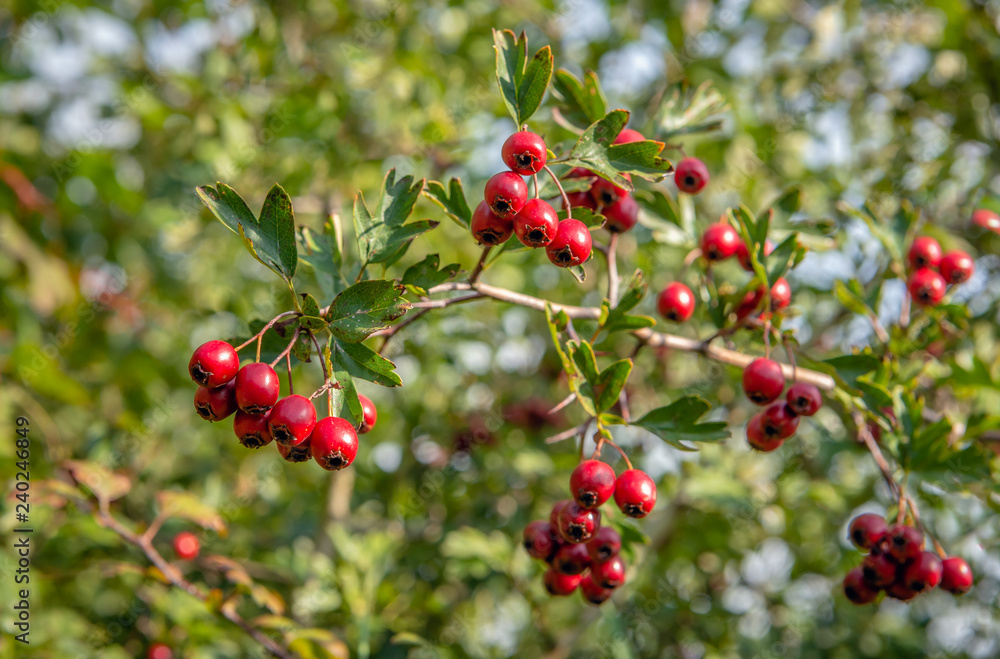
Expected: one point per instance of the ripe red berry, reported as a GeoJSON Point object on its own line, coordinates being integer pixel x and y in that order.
{"type": "Point", "coordinates": [580, 200]}
{"type": "Point", "coordinates": [524, 152]}
{"type": "Point", "coordinates": [635, 493]}
{"type": "Point", "coordinates": [592, 592]}
{"type": "Point", "coordinates": [572, 244]}
{"type": "Point", "coordinates": [868, 530]}
{"type": "Point", "coordinates": [292, 420]}
{"type": "Point", "coordinates": [743, 254]}
{"type": "Point", "coordinates": [559, 584]}
{"type": "Point", "coordinates": [749, 303]}
{"type": "Point", "coordinates": [778, 420]}
{"type": "Point", "coordinates": [758, 439]}
{"type": "Point", "coordinates": [488, 228]}
{"type": "Point", "coordinates": [763, 380]}
{"type": "Point", "coordinates": [215, 404]}
{"type": "Point", "coordinates": [719, 242]}
{"type": "Point", "coordinates": [159, 651]}
{"type": "Point", "coordinates": [605, 544]}
{"type": "Point", "coordinates": [956, 575]}
{"type": "Point", "coordinates": [557, 508]}
{"type": "Point", "coordinates": [804, 398]}
{"type": "Point", "coordinates": [676, 302]}
{"type": "Point", "coordinates": [609, 573]}
{"type": "Point", "coordinates": [213, 364]}
{"type": "Point", "coordinates": [621, 215]}
{"type": "Point", "coordinates": [540, 540]}
{"type": "Point", "coordinates": [369, 414]}
{"type": "Point", "coordinates": [987, 219]}
{"type": "Point", "coordinates": [925, 252]}
{"type": "Point", "coordinates": [578, 524]}
{"type": "Point", "coordinates": [879, 570]}
{"type": "Point", "coordinates": [257, 388]}
{"type": "Point", "coordinates": [927, 287]}
{"type": "Point", "coordinates": [691, 175]}
{"type": "Point", "coordinates": [535, 225]}
{"type": "Point", "coordinates": [186, 546]}
{"type": "Point", "coordinates": [333, 443]}
{"type": "Point", "coordinates": [956, 267]}
{"type": "Point", "coordinates": [627, 136]}
{"type": "Point", "coordinates": [857, 590]}
{"type": "Point", "coordinates": [899, 591]}
{"type": "Point", "coordinates": [592, 483]}
{"type": "Point", "coordinates": [781, 294]}
{"type": "Point", "coordinates": [297, 453]}
{"type": "Point", "coordinates": [605, 193]}
{"type": "Point", "coordinates": [252, 429]}
{"type": "Point", "coordinates": [505, 194]}
{"type": "Point", "coordinates": [571, 558]}
{"type": "Point", "coordinates": [924, 572]}
{"type": "Point", "coordinates": [905, 542]}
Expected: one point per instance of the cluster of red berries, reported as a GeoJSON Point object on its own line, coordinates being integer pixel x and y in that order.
{"type": "Point", "coordinates": [932, 272]}
{"type": "Point", "coordinates": [252, 393]}
{"type": "Point", "coordinates": [763, 383]}
{"type": "Point", "coordinates": [580, 552]}
{"type": "Point", "coordinates": [897, 563]}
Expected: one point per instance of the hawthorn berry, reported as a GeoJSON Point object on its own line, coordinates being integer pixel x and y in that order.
{"type": "Point", "coordinates": [257, 388]}
{"type": "Point", "coordinates": [927, 287]}
{"type": "Point", "coordinates": [719, 242]}
{"type": "Point", "coordinates": [763, 380]}
{"type": "Point", "coordinates": [905, 542]}
{"type": "Point", "coordinates": [159, 651]}
{"type": "Point", "coordinates": [758, 439]}
{"type": "Point", "coordinates": [627, 136]}
{"type": "Point", "coordinates": [778, 420]}
{"type": "Point", "coordinates": [749, 303]}
{"type": "Point", "coordinates": [605, 544]}
{"type": "Point", "coordinates": [781, 294]}
{"type": "Point", "coordinates": [506, 193]}
{"type": "Point", "coordinates": [213, 364]}
{"type": "Point", "coordinates": [580, 200]}
{"type": "Point", "coordinates": [252, 429]}
{"type": "Point", "coordinates": [676, 302]}
{"type": "Point", "coordinates": [986, 219]}
{"type": "Point", "coordinates": [592, 483]}
{"type": "Point", "coordinates": [605, 193]}
{"type": "Point", "coordinates": [925, 252]}
{"type": "Point", "coordinates": [577, 524]}
{"type": "Point", "coordinates": [186, 546]}
{"type": "Point", "coordinates": [296, 453]}
{"type": "Point", "coordinates": [609, 573]}
{"type": "Point", "coordinates": [560, 584]}
{"type": "Point", "coordinates": [215, 404]}
{"type": "Point", "coordinates": [857, 589]}
{"type": "Point", "coordinates": [691, 175]}
{"type": "Point", "coordinates": [900, 591]}
{"type": "Point", "coordinates": [956, 575]}
{"type": "Point", "coordinates": [956, 267]}
{"type": "Point", "coordinates": [540, 540]}
{"type": "Point", "coordinates": [594, 593]}
{"type": "Point", "coordinates": [622, 215]}
{"type": "Point", "coordinates": [369, 415]}
{"type": "Point", "coordinates": [924, 572]}
{"type": "Point", "coordinates": [879, 570]}
{"type": "Point", "coordinates": [488, 228]}
{"type": "Point", "coordinates": [572, 244]}
{"type": "Point", "coordinates": [868, 530]}
{"type": "Point", "coordinates": [524, 152]}
{"type": "Point", "coordinates": [743, 254]}
{"type": "Point", "coordinates": [635, 493]}
{"type": "Point", "coordinates": [556, 509]}
{"type": "Point", "coordinates": [333, 443]}
{"type": "Point", "coordinates": [292, 420]}
{"type": "Point", "coordinates": [535, 224]}
{"type": "Point", "coordinates": [571, 558]}
{"type": "Point", "coordinates": [804, 398]}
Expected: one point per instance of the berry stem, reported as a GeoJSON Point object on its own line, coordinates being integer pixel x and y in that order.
{"type": "Point", "coordinates": [563, 403]}
{"type": "Point", "coordinates": [583, 436]}
{"type": "Point", "coordinates": [872, 446]}
{"type": "Point", "coordinates": [263, 331]}
{"type": "Point", "coordinates": [912, 505]}
{"type": "Point", "coordinates": [612, 269]}
{"type": "Point", "coordinates": [904, 311]}
{"type": "Point", "coordinates": [767, 339]}
{"type": "Point", "coordinates": [478, 270]}
{"type": "Point", "coordinates": [287, 350]}
{"type": "Point", "coordinates": [565, 197]}
{"type": "Point", "coordinates": [288, 360]}
{"type": "Point", "coordinates": [628, 463]}
{"type": "Point", "coordinates": [597, 449]}
{"type": "Point", "coordinates": [534, 177]}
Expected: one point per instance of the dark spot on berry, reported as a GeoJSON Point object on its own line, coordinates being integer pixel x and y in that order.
{"type": "Point", "coordinates": [634, 510]}
{"type": "Point", "coordinates": [550, 589]}
{"type": "Point", "coordinates": [335, 461]}
{"type": "Point", "coordinates": [536, 235]}
{"type": "Point", "coordinates": [565, 255]}
{"type": "Point", "coordinates": [577, 531]}
{"type": "Point", "coordinates": [490, 237]}
{"type": "Point", "coordinates": [501, 206]}
{"type": "Point", "coordinates": [281, 435]}
{"type": "Point", "coordinates": [252, 440]}
{"type": "Point", "coordinates": [588, 499]}
{"type": "Point", "coordinates": [673, 316]}
{"type": "Point", "coordinates": [608, 198]}
{"type": "Point", "coordinates": [604, 553]}
{"type": "Point", "coordinates": [200, 375]}
{"type": "Point", "coordinates": [204, 411]}
{"type": "Point", "coordinates": [524, 160]}
{"type": "Point", "coordinates": [256, 410]}
{"type": "Point", "coordinates": [298, 454]}
{"type": "Point", "coordinates": [689, 181]}
{"type": "Point", "coordinates": [529, 545]}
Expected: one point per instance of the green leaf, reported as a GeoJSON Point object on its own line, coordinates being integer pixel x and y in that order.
{"type": "Point", "coordinates": [610, 382]}
{"type": "Point", "coordinates": [661, 205]}
{"type": "Point", "coordinates": [277, 226]}
{"type": "Point", "coordinates": [678, 422]}
{"type": "Point", "coordinates": [584, 358]}
{"type": "Point", "coordinates": [365, 308]}
{"type": "Point", "coordinates": [451, 200]}
{"type": "Point", "coordinates": [425, 275]}
{"type": "Point", "coordinates": [851, 295]}
{"type": "Point", "coordinates": [618, 319]}
{"type": "Point", "coordinates": [578, 272]}
{"type": "Point", "coordinates": [303, 345]}
{"type": "Point", "coordinates": [185, 505]}
{"type": "Point", "coordinates": [681, 113]}
{"type": "Point", "coordinates": [522, 81]}
{"type": "Point", "coordinates": [360, 361]}
{"type": "Point", "coordinates": [323, 253]}
{"type": "Point", "coordinates": [596, 151]}
{"type": "Point", "coordinates": [589, 217]}
{"type": "Point", "coordinates": [851, 367]}
{"type": "Point", "coordinates": [581, 102]}
{"type": "Point", "coordinates": [781, 259]}
{"type": "Point", "coordinates": [105, 484]}
{"type": "Point", "coordinates": [382, 234]}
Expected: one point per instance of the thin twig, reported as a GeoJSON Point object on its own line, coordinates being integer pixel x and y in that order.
{"type": "Point", "coordinates": [566, 434]}
{"type": "Point", "coordinates": [263, 330]}
{"type": "Point", "coordinates": [563, 403]}
{"type": "Point", "coordinates": [288, 348]}
{"type": "Point", "coordinates": [478, 270]}
{"type": "Point", "coordinates": [613, 269]}
{"type": "Point", "coordinates": [562, 191]}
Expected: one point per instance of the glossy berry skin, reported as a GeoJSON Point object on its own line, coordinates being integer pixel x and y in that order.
{"type": "Point", "coordinates": [594, 593]}
{"type": "Point", "coordinates": [609, 573]}
{"type": "Point", "coordinates": [857, 590]}
{"type": "Point", "coordinates": [676, 302]}
{"type": "Point", "coordinates": [292, 420]}
{"type": "Point", "coordinates": [257, 388]}
{"type": "Point", "coordinates": [763, 381]}
{"type": "Point", "coordinates": [524, 152]}
{"type": "Point", "coordinates": [605, 193]}
{"type": "Point", "coordinates": [868, 530]}
{"type": "Point", "coordinates": [749, 303]}
{"type": "Point", "coordinates": [535, 225]}
{"type": "Point", "coordinates": [804, 398]}
{"type": "Point", "coordinates": [369, 415]}
{"type": "Point", "coordinates": [539, 540]}
{"type": "Point", "coordinates": [627, 136]}
{"type": "Point", "coordinates": [571, 559]}
{"type": "Point", "coordinates": [743, 254]}
{"type": "Point", "coordinates": [488, 228]}
{"type": "Point", "coordinates": [986, 219]}
{"type": "Point", "coordinates": [333, 443]}
{"type": "Point", "coordinates": [621, 215]}
{"type": "Point", "coordinates": [592, 483]}
{"type": "Point", "coordinates": [605, 544]}
{"type": "Point", "coordinates": [899, 591]}
{"type": "Point", "coordinates": [556, 510]}
{"type": "Point", "coordinates": [186, 546]}
{"type": "Point", "coordinates": [635, 493]}
{"type": "Point", "coordinates": [781, 294]}
{"type": "Point", "coordinates": [215, 404]}
{"type": "Point", "coordinates": [159, 651]}
{"type": "Point", "coordinates": [923, 573]}
{"type": "Point", "coordinates": [505, 194]}
{"type": "Point", "coordinates": [691, 175]}
{"type": "Point", "coordinates": [956, 267]}
{"type": "Point", "coordinates": [559, 584]}
{"type": "Point", "coordinates": [719, 242]}
{"type": "Point", "coordinates": [926, 287]}
{"type": "Point", "coordinates": [925, 252]}
{"type": "Point", "coordinates": [905, 542]}
{"type": "Point", "coordinates": [778, 421]}
{"type": "Point", "coordinates": [252, 429]}
{"type": "Point", "coordinates": [572, 244]}
{"type": "Point", "coordinates": [580, 200]}
{"type": "Point", "coordinates": [879, 570]}
{"type": "Point", "coordinates": [213, 364]}
{"type": "Point", "coordinates": [297, 453]}
{"type": "Point", "coordinates": [577, 524]}
{"type": "Point", "coordinates": [760, 440]}
{"type": "Point", "coordinates": [956, 575]}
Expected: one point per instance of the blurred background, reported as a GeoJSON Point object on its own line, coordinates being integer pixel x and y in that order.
{"type": "Point", "coordinates": [111, 113]}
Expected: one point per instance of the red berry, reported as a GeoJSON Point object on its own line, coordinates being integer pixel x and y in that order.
{"type": "Point", "coordinates": [956, 575]}
{"type": "Point", "coordinates": [559, 584]}
{"type": "Point", "coordinates": [592, 592]}
{"type": "Point", "coordinates": [691, 175]}
{"type": "Point", "coordinates": [506, 193]}
{"type": "Point", "coordinates": [605, 544]}
{"type": "Point", "coordinates": [540, 540]}
{"type": "Point", "coordinates": [804, 398]}
{"type": "Point", "coordinates": [924, 572]}
{"type": "Point", "coordinates": [524, 152]}
{"type": "Point", "coordinates": [592, 483]}
{"type": "Point", "coordinates": [186, 546]}
{"type": "Point", "coordinates": [627, 136]}
{"type": "Point", "coordinates": [925, 252]}
{"type": "Point", "coordinates": [857, 590]}
{"type": "Point", "coordinates": [605, 193]}
{"type": "Point", "coordinates": [719, 242]}
{"type": "Point", "coordinates": [781, 294]}
{"type": "Point", "coordinates": [535, 225]}
{"type": "Point", "coordinates": [488, 228]}
{"type": "Point", "coordinates": [297, 453]}
{"type": "Point", "coordinates": [868, 530]}
{"type": "Point", "coordinates": [779, 421]}
{"type": "Point", "coordinates": [609, 573]}
{"type": "Point", "coordinates": [927, 287]}
{"type": "Point", "coordinates": [257, 388]}
{"type": "Point", "coordinates": [580, 200]}
{"type": "Point", "coordinates": [159, 651]}
{"type": "Point", "coordinates": [879, 570]}
{"type": "Point", "coordinates": [763, 380]}
{"type": "Point", "coordinates": [987, 219]}
{"type": "Point", "coordinates": [635, 493]}
{"type": "Point", "coordinates": [758, 439]}
{"type": "Point", "coordinates": [292, 420]}
{"type": "Point", "coordinates": [578, 524]}
{"type": "Point", "coordinates": [900, 592]}
{"type": "Point", "coordinates": [743, 254]}
{"type": "Point", "coordinates": [557, 508]}
{"type": "Point", "coordinates": [333, 443]}
{"type": "Point", "coordinates": [621, 215]}
{"type": "Point", "coordinates": [215, 404]}
{"type": "Point", "coordinates": [369, 414]}
{"type": "Point", "coordinates": [905, 542]}
{"type": "Point", "coordinates": [572, 244]}
{"type": "Point", "coordinates": [213, 364]}
{"type": "Point", "coordinates": [571, 559]}
{"type": "Point", "coordinates": [676, 302]}
{"type": "Point", "coordinates": [956, 267]}
{"type": "Point", "coordinates": [749, 303]}
{"type": "Point", "coordinates": [252, 429]}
